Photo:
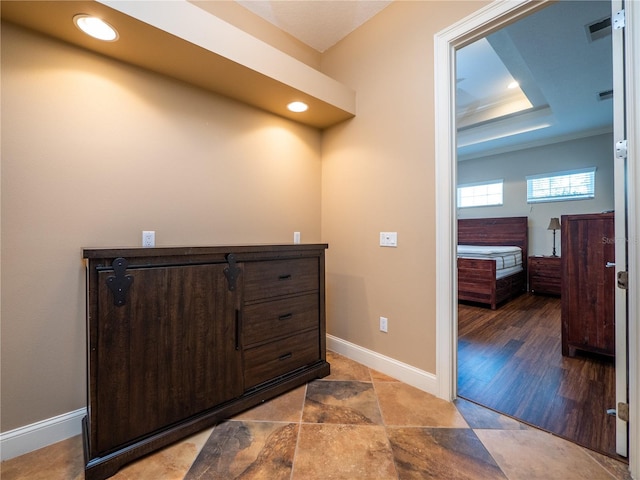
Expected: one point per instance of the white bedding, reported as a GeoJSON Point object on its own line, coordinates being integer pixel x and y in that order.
{"type": "Point", "coordinates": [505, 272]}
{"type": "Point", "coordinates": [508, 259]}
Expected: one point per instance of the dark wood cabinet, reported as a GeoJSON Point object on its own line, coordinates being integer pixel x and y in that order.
{"type": "Point", "coordinates": [588, 284]}
{"type": "Point", "coordinates": [181, 338]}
{"type": "Point", "coordinates": [545, 275]}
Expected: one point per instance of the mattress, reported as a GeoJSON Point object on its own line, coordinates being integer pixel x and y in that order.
{"type": "Point", "coordinates": [508, 259]}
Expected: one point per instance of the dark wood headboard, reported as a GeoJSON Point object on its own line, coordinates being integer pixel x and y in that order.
{"type": "Point", "coordinates": [495, 231]}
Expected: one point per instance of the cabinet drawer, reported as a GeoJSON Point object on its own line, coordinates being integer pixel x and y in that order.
{"type": "Point", "coordinates": [545, 275]}
{"type": "Point", "coordinates": [279, 357]}
{"type": "Point", "coordinates": [280, 277]}
{"type": "Point", "coordinates": [265, 321]}
{"type": "Point", "coordinates": [538, 283]}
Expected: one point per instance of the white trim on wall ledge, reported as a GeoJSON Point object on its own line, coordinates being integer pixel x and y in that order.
{"type": "Point", "coordinates": [40, 434]}
{"type": "Point", "coordinates": [415, 377]}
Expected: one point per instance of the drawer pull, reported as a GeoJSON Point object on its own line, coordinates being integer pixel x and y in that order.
{"type": "Point", "coordinates": [286, 356]}
{"type": "Point", "coordinates": [285, 277]}
{"type": "Point", "coordinates": [286, 316]}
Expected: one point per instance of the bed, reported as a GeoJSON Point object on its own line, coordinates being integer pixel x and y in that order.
{"type": "Point", "coordinates": [488, 274]}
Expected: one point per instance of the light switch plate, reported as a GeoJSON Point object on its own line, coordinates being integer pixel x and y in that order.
{"type": "Point", "coordinates": [388, 239]}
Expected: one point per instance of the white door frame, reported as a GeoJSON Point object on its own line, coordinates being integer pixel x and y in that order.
{"type": "Point", "coordinates": [620, 224]}
{"type": "Point", "coordinates": [632, 111]}
{"type": "Point", "coordinates": [486, 20]}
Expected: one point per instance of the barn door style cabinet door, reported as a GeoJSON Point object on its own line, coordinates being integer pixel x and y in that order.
{"type": "Point", "coordinates": [181, 338]}
{"type": "Point", "coordinates": [588, 284]}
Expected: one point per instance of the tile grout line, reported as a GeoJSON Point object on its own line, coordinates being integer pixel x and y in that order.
{"type": "Point", "coordinates": [295, 450]}
{"type": "Point", "coordinates": [487, 449]}
{"type": "Point", "coordinates": [587, 452]}
{"type": "Point", "coordinates": [384, 423]}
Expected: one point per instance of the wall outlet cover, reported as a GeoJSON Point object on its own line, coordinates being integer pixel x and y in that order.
{"type": "Point", "coordinates": [384, 324]}
{"type": "Point", "coordinates": [148, 238]}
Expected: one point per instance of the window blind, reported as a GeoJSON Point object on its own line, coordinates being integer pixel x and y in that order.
{"type": "Point", "coordinates": [559, 186]}
{"type": "Point", "coordinates": [481, 194]}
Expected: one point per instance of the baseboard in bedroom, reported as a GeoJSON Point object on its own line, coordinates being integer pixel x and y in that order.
{"type": "Point", "coordinates": [415, 377]}
{"type": "Point", "coordinates": [40, 434]}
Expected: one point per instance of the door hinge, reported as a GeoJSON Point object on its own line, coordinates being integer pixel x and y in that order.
{"type": "Point", "coordinates": [621, 149]}
{"type": "Point", "coordinates": [619, 20]}
{"type": "Point", "coordinates": [623, 411]}
{"type": "Point", "coordinates": [623, 280]}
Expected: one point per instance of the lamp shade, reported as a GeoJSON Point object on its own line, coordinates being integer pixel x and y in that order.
{"type": "Point", "coordinates": [554, 224]}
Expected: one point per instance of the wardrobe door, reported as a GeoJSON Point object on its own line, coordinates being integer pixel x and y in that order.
{"type": "Point", "coordinates": [588, 284]}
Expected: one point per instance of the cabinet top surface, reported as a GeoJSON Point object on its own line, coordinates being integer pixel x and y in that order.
{"type": "Point", "coordinates": [106, 252]}
{"type": "Point", "coordinates": [589, 216]}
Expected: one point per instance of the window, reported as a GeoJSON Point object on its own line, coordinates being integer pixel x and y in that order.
{"type": "Point", "coordinates": [555, 187]}
{"type": "Point", "coordinates": [481, 194]}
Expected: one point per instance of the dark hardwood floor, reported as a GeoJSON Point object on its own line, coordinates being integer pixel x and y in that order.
{"type": "Point", "coordinates": [510, 360]}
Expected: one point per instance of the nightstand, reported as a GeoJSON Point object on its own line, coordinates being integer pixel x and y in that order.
{"type": "Point", "coordinates": [545, 275]}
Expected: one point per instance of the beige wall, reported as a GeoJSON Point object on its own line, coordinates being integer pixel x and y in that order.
{"type": "Point", "coordinates": [94, 152]}
{"type": "Point", "coordinates": [378, 175]}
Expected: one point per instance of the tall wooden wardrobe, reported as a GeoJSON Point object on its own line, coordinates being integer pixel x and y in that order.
{"type": "Point", "coordinates": [588, 283]}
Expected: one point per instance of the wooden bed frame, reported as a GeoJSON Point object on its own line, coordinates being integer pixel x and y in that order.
{"type": "Point", "coordinates": [477, 278]}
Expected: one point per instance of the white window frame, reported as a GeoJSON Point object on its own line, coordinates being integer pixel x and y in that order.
{"type": "Point", "coordinates": [487, 183]}
{"type": "Point", "coordinates": [566, 196]}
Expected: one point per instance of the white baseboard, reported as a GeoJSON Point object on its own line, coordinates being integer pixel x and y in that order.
{"type": "Point", "coordinates": [46, 432]}
{"type": "Point", "coordinates": [415, 377]}
{"type": "Point", "coordinates": [40, 434]}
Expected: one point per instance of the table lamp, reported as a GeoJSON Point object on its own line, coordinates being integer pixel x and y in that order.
{"type": "Point", "coordinates": [554, 225]}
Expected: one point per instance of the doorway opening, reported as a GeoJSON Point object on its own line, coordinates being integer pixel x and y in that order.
{"type": "Point", "coordinates": [557, 117]}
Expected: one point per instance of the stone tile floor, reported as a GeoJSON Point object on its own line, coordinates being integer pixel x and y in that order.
{"type": "Point", "coordinates": [355, 424]}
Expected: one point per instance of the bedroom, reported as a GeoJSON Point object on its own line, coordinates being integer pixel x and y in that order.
{"type": "Point", "coordinates": [585, 148]}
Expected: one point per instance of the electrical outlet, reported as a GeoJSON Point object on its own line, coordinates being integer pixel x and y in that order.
{"type": "Point", "coordinates": [383, 324]}
{"type": "Point", "coordinates": [148, 238]}
{"type": "Point", "coordinates": [296, 237]}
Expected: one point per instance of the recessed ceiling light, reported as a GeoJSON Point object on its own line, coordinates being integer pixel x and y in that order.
{"type": "Point", "coordinates": [513, 85]}
{"type": "Point", "coordinates": [298, 107]}
{"type": "Point", "coordinates": [95, 27]}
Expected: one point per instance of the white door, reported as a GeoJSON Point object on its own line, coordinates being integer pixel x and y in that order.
{"type": "Point", "coordinates": [620, 187]}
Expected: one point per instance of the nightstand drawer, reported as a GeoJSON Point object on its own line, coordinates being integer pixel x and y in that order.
{"type": "Point", "coordinates": [545, 275]}
{"type": "Point", "coordinates": [263, 280]}
{"type": "Point", "coordinates": [538, 284]}
{"type": "Point", "coordinates": [277, 358]}
{"type": "Point", "coordinates": [263, 322]}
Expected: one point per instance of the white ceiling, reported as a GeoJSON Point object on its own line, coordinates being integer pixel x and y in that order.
{"type": "Point", "coordinates": [560, 71]}
{"type": "Point", "coordinates": [317, 23]}
{"type": "Point", "coordinates": [486, 96]}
